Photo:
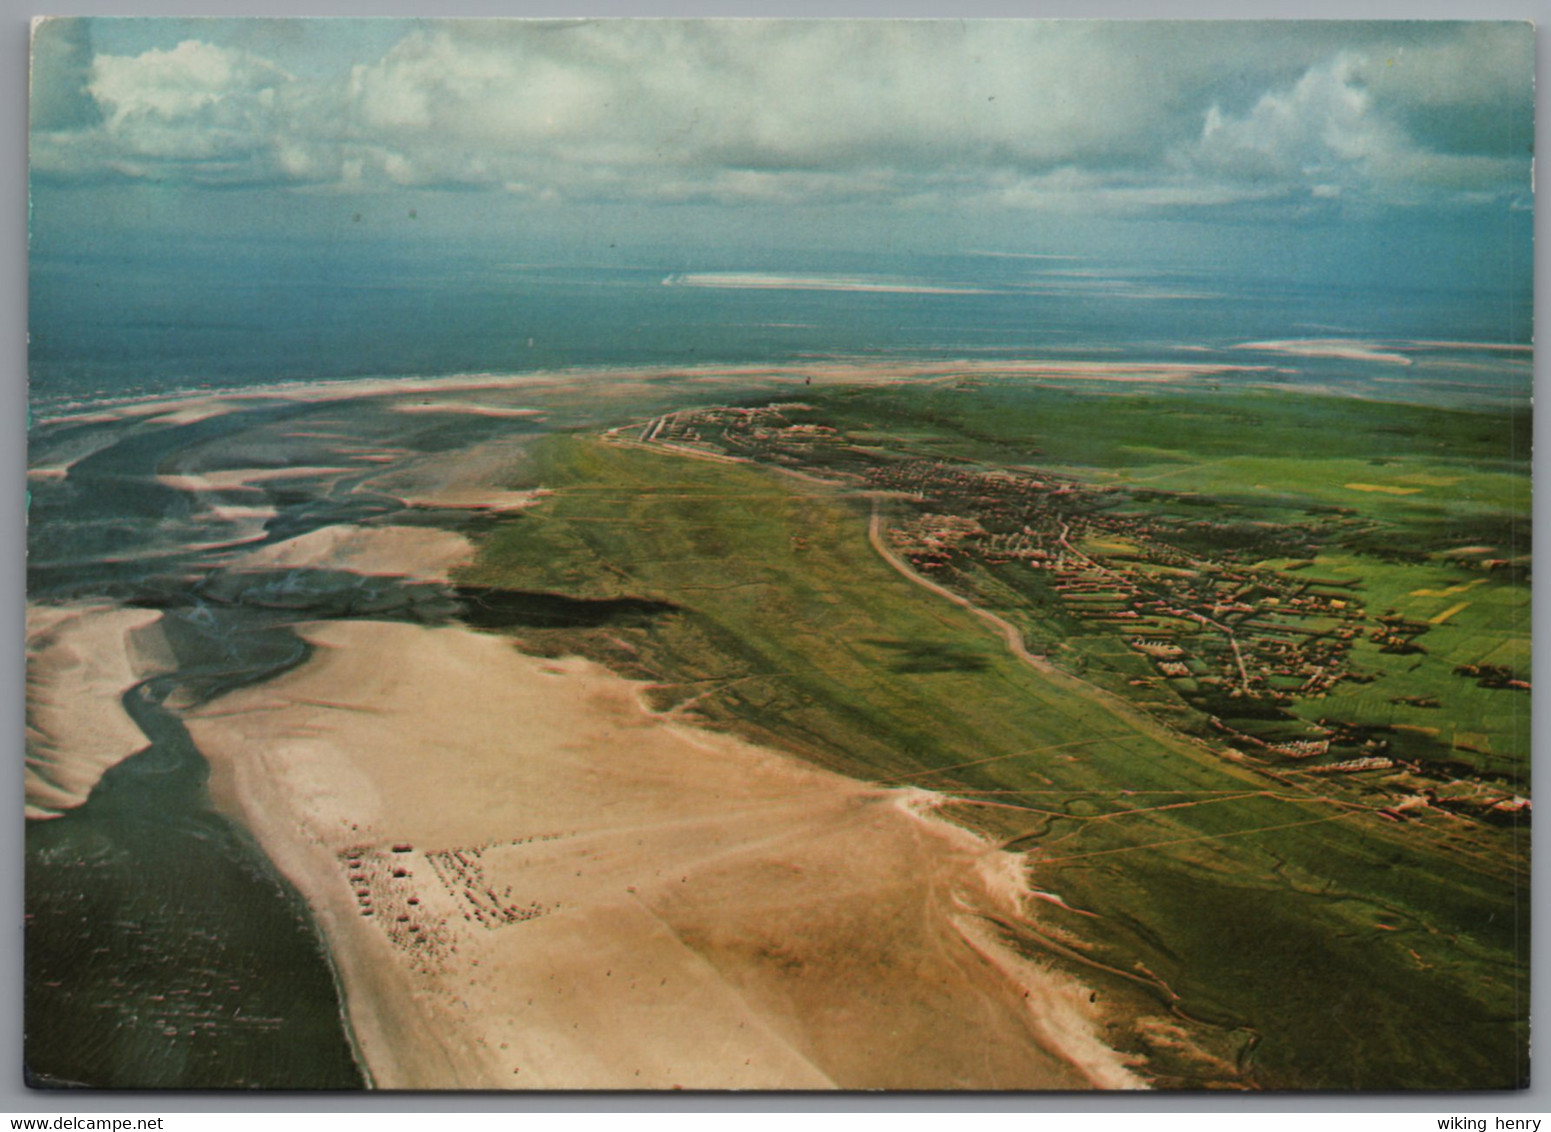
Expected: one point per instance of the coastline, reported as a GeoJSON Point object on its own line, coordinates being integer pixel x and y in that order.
{"type": "Point", "coordinates": [736, 900]}
{"type": "Point", "coordinates": [452, 391]}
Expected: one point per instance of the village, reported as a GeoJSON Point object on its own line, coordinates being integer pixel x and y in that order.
{"type": "Point", "coordinates": [1231, 619]}
{"type": "Point", "coordinates": [1222, 621]}
{"type": "Point", "coordinates": [1246, 631]}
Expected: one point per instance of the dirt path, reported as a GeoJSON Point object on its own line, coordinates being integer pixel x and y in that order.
{"type": "Point", "coordinates": [1013, 639]}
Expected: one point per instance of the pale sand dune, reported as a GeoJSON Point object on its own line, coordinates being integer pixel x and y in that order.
{"type": "Point", "coordinates": [636, 904]}
{"type": "Point", "coordinates": [422, 553]}
{"type": "Point", "coordinates": [80, 661]}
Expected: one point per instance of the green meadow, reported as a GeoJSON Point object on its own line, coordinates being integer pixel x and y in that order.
{"type": "Point", "coordinates": [1244, 927]}
{"type": "Point", "coordinates": [1408, 499]}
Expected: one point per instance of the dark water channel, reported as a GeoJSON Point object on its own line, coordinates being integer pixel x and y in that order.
{"type": "Point", "coordinates": [163, 950]}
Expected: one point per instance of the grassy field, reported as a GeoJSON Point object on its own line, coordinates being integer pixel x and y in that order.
{"type": "Point", "coordinates": [1430, 483]}
{"type": "Point", "coordinates": [1488, 622]}
{"type": "Point", "coordinates": [1291, 936]}
{"type": "Point", "coordinates": [1461, 472]}
{"type": "Point", "coordinates": [1102, 429]}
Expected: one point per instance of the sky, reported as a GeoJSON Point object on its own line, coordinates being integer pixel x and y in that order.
{"type": "Point", "coordinates": [1351, 152]}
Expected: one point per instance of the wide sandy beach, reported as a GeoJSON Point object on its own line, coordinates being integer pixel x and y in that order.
{"type": "Point", "coordinates": [527, 880]}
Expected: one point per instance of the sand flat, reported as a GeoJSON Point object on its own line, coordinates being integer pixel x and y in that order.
{"type": "Point", "coordinates": [1346, 349]}
{"type": "Point", "coordinates": [464, 408]}
{"type": "Point", "coordinates": [469, 480]}
{"type": "Point", "coordinates": [242, 479]}
{"type": "Point", "coordinates": [491, 394]}
{"type": "Point", "coordinates": [81, 659]}
{"type": "Point", "coordinates": [1383, 488]}
{"type": "Point", "coordinates": [529, 881]}
{"type": "Point", "coordinates": [423, 553]}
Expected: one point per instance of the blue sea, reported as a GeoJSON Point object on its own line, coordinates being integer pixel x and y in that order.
{"type": "Point", "coordinates": [107, 325]}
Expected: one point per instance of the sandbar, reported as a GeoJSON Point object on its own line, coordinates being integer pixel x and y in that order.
{"type": "Point", "coordinates": [241, 479]}
{"type": "Point", "coordinates": [473, 408]}
{"type": "Point", "coordinates": [81, 659]}
{"type": "Point", "coordinates": [423, 553]}
{"type": "Point", "coordinates": [1346, 349]}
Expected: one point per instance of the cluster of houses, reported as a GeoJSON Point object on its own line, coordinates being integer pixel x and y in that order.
{"type": "Point", "coordinates": [737, 431]}
{"type": "Point", "coordinates": [1483, 801]}
{"type": "Point", "coordinates": [1214, 625]}
{"type": "Point", "coordinates": [1263, 634]}
{"type": "Point", "coordinates": [1395, 634]}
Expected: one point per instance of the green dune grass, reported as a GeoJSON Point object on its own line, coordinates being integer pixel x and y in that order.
{"type": "Point", "coordinates": [1300, 939]}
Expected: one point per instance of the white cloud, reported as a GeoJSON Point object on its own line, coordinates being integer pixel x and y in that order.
{"type": "Point", "coordinates": [195, 111]}
{"type": "Point", "coordinates": [1127, 117]}
{"type": "Point", "coordinates": [1330, 133]}
{"type": "Point", "coordinates": [179, 83]}
{"type": "Point", "coordinates": [1321, 127]}
{"type": "Point", "coordinates": [196, 102]}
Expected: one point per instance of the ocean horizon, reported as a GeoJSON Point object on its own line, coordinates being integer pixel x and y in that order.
{"type": "Point", "coordinates": [107, 327]}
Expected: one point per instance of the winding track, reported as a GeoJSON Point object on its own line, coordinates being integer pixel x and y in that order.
{"type": "Point", "coordinates": [1013, 639]}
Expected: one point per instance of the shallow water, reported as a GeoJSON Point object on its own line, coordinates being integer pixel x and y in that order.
{"type": "Point", "coordinates": [101, 325]}
{"type": "Point", "coordinates": [163, 950]}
